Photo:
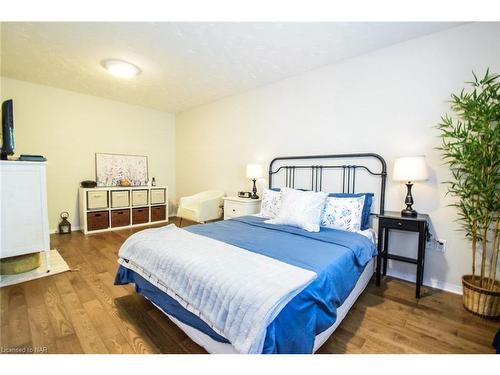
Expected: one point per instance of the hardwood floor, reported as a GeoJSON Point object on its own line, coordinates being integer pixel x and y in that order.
{"type": "Point", "coordinates": [83, 312]}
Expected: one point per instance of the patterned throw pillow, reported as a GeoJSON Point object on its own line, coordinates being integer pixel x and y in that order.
{"type": "Point", "coordinates": [343, 213]}
{"type": "Point", "coordinates": [367, 208]}
{"type": "Point", "coordinates": [271, 203]}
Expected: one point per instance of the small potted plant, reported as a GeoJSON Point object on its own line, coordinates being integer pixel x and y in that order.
{"type": "Point", "coordinates": [470, 147]}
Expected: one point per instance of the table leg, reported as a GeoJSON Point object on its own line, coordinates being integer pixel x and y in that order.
{"type": "Point", "coordinates": [420, 262]}
{"type": "Point", "coordinates": [379, 254]}
{"type": "Point", "coordinates": [386, 246]}
{"type": "Point", "coordinates": [424, 246]}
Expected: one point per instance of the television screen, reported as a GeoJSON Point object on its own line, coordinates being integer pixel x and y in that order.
{"type": "Point", "coordinates": [7, 129]}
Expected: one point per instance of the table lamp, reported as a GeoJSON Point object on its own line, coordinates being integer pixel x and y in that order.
{"type": "Point", "coordinates": [410, 169]}
{"type": "Point", "coordinates": [254, 171]}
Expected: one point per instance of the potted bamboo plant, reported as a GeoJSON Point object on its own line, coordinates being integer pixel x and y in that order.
{"type": "Point", "coordinates": [470, 147]}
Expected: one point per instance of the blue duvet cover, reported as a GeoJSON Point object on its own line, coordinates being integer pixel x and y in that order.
{"type": "Point", "coordinates": [337, 257]}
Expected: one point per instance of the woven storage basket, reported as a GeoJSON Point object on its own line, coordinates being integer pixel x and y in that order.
{"type": "Point", "coordinates": [480, 301]}
{"type": "Point", "coordinates": [19, 264]}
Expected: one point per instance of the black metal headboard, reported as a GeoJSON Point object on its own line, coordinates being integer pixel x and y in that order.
{"type": "Point", "coordinates": [348, 171]}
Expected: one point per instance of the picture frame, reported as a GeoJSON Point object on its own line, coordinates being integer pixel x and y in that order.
{"type": "Point", "coordinates": [111, 169]}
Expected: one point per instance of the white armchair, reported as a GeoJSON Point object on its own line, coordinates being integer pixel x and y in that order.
{"type": "Point", "coordinates": [201, 207]}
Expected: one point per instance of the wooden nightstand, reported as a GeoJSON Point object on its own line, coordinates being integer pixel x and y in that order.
{"type": "Point", "coordinates": [235, 206]}
{"type": "Point", "coordinates": [394, 220]}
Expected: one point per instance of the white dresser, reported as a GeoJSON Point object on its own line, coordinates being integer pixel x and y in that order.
{"type": "Point", "coordinates": [110, 208]}
{"type": "Point", "coordinates": [24, 219]}
{"type": "Point", "coordinates": [235, 206]}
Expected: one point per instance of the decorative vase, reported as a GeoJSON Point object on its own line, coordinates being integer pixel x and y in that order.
{"type": "Point", "coordinates": [481, 301]}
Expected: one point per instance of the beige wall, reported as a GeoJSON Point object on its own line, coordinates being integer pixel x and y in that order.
{"type": "Point", "coordinates": [385, 102]}
{"type": "Point", "coordinates": [68, 128]}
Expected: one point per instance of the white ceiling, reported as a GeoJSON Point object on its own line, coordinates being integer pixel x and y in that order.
{"type": "Point", "coordinates": [186, 64]}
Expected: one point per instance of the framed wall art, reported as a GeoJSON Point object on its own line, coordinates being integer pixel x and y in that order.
{"type": "Point", "coordinates": [112, 169]}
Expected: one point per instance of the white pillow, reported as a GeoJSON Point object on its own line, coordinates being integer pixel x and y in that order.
{"type": "Point", "coordinates": [271, 202]}
{"type": "Point", "coordinates": [343, 213]}
{"type": "Point", "coordinates": [301, 209]}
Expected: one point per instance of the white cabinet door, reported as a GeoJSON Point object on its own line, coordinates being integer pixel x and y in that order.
{"type": "Point", "coordinates": [23, 205]}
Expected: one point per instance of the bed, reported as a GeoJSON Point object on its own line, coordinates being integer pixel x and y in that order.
{"type": "Point", "coordinates": [247, 286]}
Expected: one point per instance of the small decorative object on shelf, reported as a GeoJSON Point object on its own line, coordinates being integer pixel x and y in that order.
{"type": "Point", "coordinates": [64, 225]}
{"type": "Point", "coordinates": [254, 171]}
{"type": "Point", "coordinates": [410, 169]}
{"type": "Point", "coordinates": [88, 184]}
{"type": "Point", "coordinates": [153, 182]}
{"type": "Point", "coordinates": [125, 182]}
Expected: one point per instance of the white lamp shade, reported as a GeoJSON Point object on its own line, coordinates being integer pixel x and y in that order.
{"type": "Point", "coordinates": [410, 168]}
{"type": "Point", "coordinates": [254, 171]}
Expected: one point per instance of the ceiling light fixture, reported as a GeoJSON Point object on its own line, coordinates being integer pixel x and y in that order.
{"type": "Point", "coordinates": [120, 68]}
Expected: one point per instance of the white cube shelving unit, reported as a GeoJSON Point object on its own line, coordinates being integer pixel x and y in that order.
{"type": "Point", "coordinates": [110, 208]}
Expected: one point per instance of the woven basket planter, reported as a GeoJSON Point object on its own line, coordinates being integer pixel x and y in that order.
{"type": "Point", "coordinates": [480, 301]}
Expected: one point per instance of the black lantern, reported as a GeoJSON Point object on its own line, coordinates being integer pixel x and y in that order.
{"type": "Point", "coordinates": [64, 225]}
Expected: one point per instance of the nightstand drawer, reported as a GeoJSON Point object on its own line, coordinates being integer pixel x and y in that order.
{"type": "Point", "coordinates": [235, 209]}
{"type": "Point", "coordinates": [97, 199]}
{"type": "Point", "coordinates": [400, 224]}
{"type": "Point", "coordinates": [119, 199]}
{"type": "Point", "coordinates": [139, 197]}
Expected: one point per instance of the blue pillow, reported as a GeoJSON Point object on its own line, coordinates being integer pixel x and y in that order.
{"type": "Point", "coordinates": [365, 219]}
{"type": "Point", "coordinates": [367, 206]}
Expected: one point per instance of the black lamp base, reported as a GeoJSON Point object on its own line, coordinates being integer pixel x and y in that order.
{"type": "Point", "coordinates": [254, 190]}
{"type": "Point", "coordinates": [409, 211]}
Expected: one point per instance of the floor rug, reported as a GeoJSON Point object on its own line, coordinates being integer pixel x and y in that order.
{"type": "Point", "coordinates": [57, 265]}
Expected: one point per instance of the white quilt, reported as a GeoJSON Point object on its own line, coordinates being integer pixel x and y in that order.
{"type": "Point", "coordinates": [235, 291]}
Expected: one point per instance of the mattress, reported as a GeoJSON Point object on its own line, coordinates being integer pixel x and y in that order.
{"type": "Point", "coordinates": [342, 262]}
{"type": "Point", "coordinates": [215, 347]}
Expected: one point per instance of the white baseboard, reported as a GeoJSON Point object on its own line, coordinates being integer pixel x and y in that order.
{"type": "Point", "coordinates": [433, 283]}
